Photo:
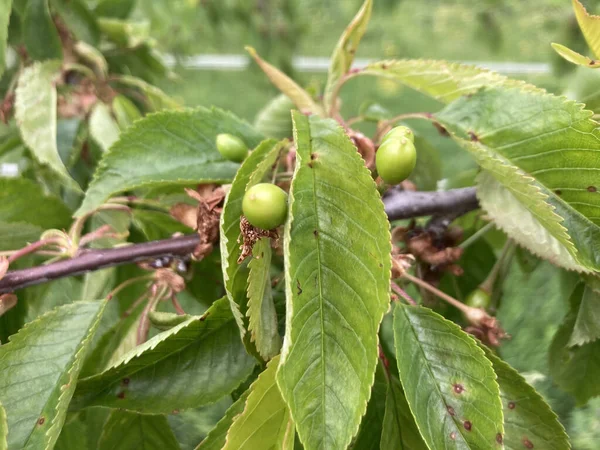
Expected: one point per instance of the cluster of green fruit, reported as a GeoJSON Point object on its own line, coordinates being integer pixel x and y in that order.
{"type": "Point", "coordinates": [265, 204]}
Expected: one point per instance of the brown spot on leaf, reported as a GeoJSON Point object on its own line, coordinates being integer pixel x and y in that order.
{"type": "Point", "coordinates": [592, 189]}
{"type": "Point", "coordinates": [126, 381]}
{"type": "Point", "coordinates": [558, 192]}
{"type": "Point", "coordinates": [384, 66]}
{"type": "Point", "coordinates": [473, 136]}
{"type": "Point", "coordinates": [458, 388]}
{"type": "Point", "coordinates": [511, 405]}
{"type": "Point", "coordinates": [499, 438]}
{"type": "Point", "coordinates": [451, 410]}
{"type": "Point", "coordinates": [121, 395]}
{"type": "Point", "coordinates": [310, 165]}
{"type": "Point", "coordinates": [468, 425]}
{"type": "Point", "coordinates": [527, 443]}
{"type": "Point", "coordinates": [313, 156]}
{"type": "Point", "coordinates": [298, 286]}
{"type": "Point", "coordinates": [316, 233]}
{"type": "Point", "coordinates": [41, 420]}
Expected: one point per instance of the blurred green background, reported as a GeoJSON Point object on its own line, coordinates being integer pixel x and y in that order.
{"type": "Point", "coordinates": [486, 31]}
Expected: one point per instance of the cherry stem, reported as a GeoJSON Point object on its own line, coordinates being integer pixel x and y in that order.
{"type": "Point", "coordinates": [476, 236]}
{"type": "Point", "coordinates": [402, 293]}
{"type": "Point", "coordinates": [133, 200]}
{"type": "Point", "coordinates": [461, 306]}
{"type": "Point", "coordinates": [488, 283]}
{"type": "Point", "coordinates": [127, 283]}
{"type": "Point", "coordinates": [385, 124]}
{"type": "Point", "coordinates": [336, 91]}
{"type": "Point", "coordinates": [31, 248]}
{"type": "Point", "coordinates": [177, 305]}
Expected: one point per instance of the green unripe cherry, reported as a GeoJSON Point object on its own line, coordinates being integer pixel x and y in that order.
{"type": "Point", "coordinates": [478, 299]}
{"type": "Point", "coordinates": [231, 147]}
{"type": "Point", "coordinates": [395, 159]}
{"type": "Point", "coordinates": [399, 132]}
{"type": "Point", "coordinates": [265, 206]}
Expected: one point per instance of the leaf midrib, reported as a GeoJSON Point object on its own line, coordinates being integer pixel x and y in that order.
{"type": "Point", "coordinates": [320, 283]}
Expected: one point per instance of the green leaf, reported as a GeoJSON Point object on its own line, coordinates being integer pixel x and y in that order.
{"type": "Point", "coordinates": [216, 438]}
{"type": "Point", "coordinates": [337, 248]}
{"type": "Point", "coordinates": [92, 56]}
{"type": "Point", "coordinates": [40, 36]}
{"type": "Point", "coordinates": [590, 27]}
{"type": "Point", "coordinates": [574, 57]}
{"type": "Point", "coordinates": [24, 201]}
{"type": "Point", "coordinates": [263, 325]}
{"type": "Point", "coordinates": [302, 99]}
{"type": "Point", "coordinates": [542, 160]}
{"type": "Point", "coordinates": [153, 386]}
{"type": "Point", "coordinates": [575, 369]}
{"type": "Point", "coordinates": [587, 324]}
{"type": "Point", "coordinates": [528, 420]}
{"type": "Point", "coordinates": [35, 111]}
{"type": "Point", "coordinates": [125, 111]}
{"type": "Point", "coordinates": [5, 6]}
{"type": "Point", "coordinates": [78, 19]}
{"type": "Point", "coordinates": [125, 33]}
{"type": "Point", "coordinates": [254, 167]}
{"type": "Point", "coordinates": [175, 147]}
{"type": "Point", "coordinates": [73, 435]}
{"type": "Point", "coordinates": [275, 119]}
{"type": "Point", "coordinates": [156, 98]}
{"type": "Point", "coordinates": [265, 422]}
{"type": "Point", "coordinates": [369, 433]}
{"type": "Point", "coordinates": [343, 54]}
{"type": "Point", "coordinates": [543, 290]}
{"type": "Point", "coordinates": [449, 384]}
{"type": "Point", "coordinates": [45, 297]}
{"type": "Point", "coordinates": [119, 340]}
{"type": "Point", "coordinates": [157, 225]}
{"type": "Point", "coordinates": [428, 170]}
{"type": "Point", "coordinates": [126, 430]}
{"type": "Point", "coordinates": [38, 371]}
{"type": "Point", "coordinates": [3, 429]}
{"type": "Point", "coordinates": [193, 425]}
{"type": "Point", "coordinates": [399, 428]}
{"type": "Point", "coordinates": [442, 80]}
{"type": "Point", "coordinates": [103, 128]}
{"type": "Point", "coordinates": [26, 212]}
{"type": "Point", "coordinates": [119, 9]}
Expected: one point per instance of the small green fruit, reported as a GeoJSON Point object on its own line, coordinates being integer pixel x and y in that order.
{"type": "Point", "coordinates": [478, 299]}
{"type": "Point", "coordinates": [231, 147]}
{"type": "Point", "coordinates": [399, 132]}
{"type": "Point", "coordinates": [395, 160]}
{"type": "Point", "coordinates": [265, 206]}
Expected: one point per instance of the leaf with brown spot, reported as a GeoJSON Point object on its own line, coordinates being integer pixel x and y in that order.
{"type": "Point", "coordinates": [434, 357]}
{"type": "Point", "coordinates": [525, 411]}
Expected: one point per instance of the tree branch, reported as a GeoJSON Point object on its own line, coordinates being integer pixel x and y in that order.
{"type": "Point", "coordinates": [405, 204]}
{"type": "Point", "coordinates": [398, 205]}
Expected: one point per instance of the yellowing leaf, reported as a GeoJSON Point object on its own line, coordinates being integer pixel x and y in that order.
{"type": "Point", "coordinates": [35, 111]}
{"type": "Point", "coordinates": [265, 422]}
{"type": "Point", "coordinates": [590, 26]}
{"type": "Point", "coordinates": [343, 54]}
{"type": "Point", "coordinates": [261, 309]}
{"type": "Point", "coordinates": [574, 57]}
{"type": "Point", "coordinates": [286, 85]}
